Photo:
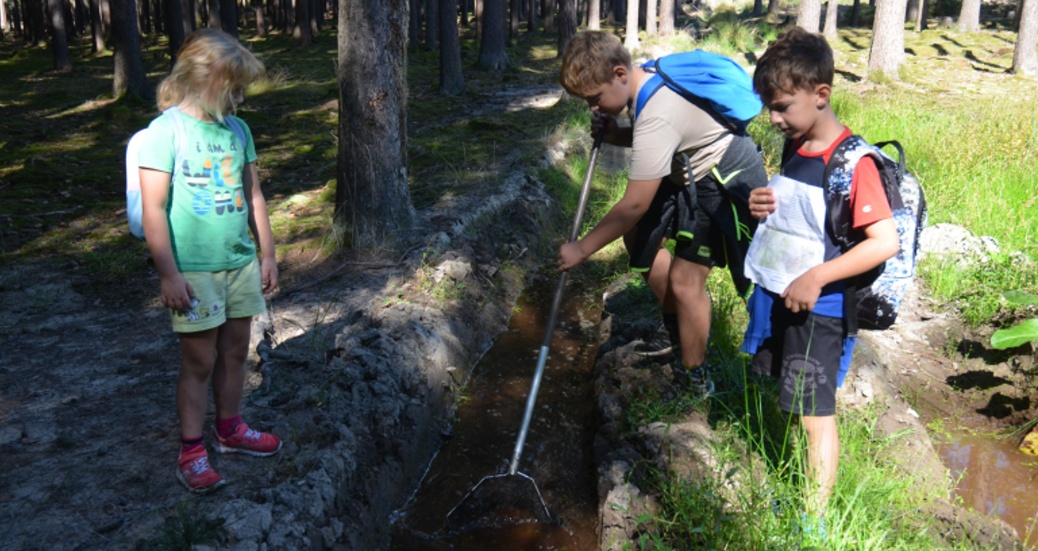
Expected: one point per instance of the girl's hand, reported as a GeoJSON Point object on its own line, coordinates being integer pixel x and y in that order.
{"type": "Point", "coordinates": [269, 274]}
{"type": "Point", "coordinates": [177, 293]}
{"type": "Point", "coordinates": [762, 202]}
{"type": "Point", "coordinates": [570, 255]}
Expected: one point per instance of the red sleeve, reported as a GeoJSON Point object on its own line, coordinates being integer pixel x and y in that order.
{"type": "Point", "coordinates": [868, 200]}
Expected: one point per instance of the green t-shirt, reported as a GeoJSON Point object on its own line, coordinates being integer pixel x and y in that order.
{"type": "Point", "coordinates": [207, 213]}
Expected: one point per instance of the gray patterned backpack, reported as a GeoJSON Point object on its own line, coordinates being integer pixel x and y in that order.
{"type": "Point", "coordinates": [872, 299]}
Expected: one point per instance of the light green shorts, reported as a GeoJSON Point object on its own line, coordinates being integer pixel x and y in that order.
{"type": "Point", "coordinates": [221, 296]}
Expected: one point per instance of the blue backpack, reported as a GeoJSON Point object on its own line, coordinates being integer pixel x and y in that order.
{"type": "Point", "coordinates": [134, 209]}
{"type": "Point", "coordinates": [713, 82]}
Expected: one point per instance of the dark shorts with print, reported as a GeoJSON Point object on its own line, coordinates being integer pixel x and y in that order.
{"type": "Point", "coordinates": [804, 353]}
{"type": "Point", "coordinates": [694, 215]}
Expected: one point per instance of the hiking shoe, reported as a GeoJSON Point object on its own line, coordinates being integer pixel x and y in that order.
{"type": "Point", "coordinates": [699, 381]}
{"type": "Point", "coordinates": [656, 345]}
{"type": "Point", "coordinates": [195, 472]}
{"type": "Point", "coordinates": [246, 440]}
{"type": "Point", "coordinates": [812, 527]}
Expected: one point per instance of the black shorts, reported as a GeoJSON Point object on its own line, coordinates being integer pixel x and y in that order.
{"type": "Point", "coordinates": [699, 216]}
{"type": "Point", "coordinates": [804, 353]}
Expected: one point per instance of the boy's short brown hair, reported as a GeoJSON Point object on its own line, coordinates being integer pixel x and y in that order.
{"type": "Point", "coordinates": [589, 59]}
{"type": "Point", "coordinates": [796, 60]}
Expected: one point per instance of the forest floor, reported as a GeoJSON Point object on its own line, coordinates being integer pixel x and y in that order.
{"type": "Point", "coordinates": [87, 425]}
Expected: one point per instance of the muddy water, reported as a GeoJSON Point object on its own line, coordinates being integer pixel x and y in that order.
{"type": "Point", "coordinates": [995, 478]}
{"type": "Point", "coordinates": [558, 450]}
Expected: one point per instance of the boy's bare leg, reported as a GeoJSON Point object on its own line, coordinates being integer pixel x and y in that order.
{"type": "Point", "coordinates": [198, 351]}
{"type": "Point", "coordinates": [232, 347]}
{"type": "Point", "coordinates": [823, 458]}
{"type": "Point", "coordinates": [659, 280]}
{"type": "Point", "coordinates": [687, 283]}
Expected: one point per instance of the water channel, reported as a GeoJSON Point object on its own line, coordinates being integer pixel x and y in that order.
{"type": "Point", "coordinates": [995, 478]}
{"type": "Point", "coordinates": [558, 450]}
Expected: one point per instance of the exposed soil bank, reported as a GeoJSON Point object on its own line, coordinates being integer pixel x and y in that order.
{"type": "Point", "coordinates": [356, 369]}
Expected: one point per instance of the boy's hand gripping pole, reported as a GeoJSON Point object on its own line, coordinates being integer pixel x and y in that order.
{"type": "Point", "coordinates": [556, 304]}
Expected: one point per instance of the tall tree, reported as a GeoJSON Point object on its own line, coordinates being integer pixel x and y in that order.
{"type": "Point", "coordinates": [667, 17]}
{"type": "Point", "coordinates": [96, 26]}
{"type": "Point", "coordinates": [451, 80]}
{"type": "Point", "coordinates": [59, 36]}
{"type": "Point", "coordinates": [372, 199]}
{"type": "Point", "coordinates": [832, 11]}
{"type": "Point", "coordinates": [548, 14]}
{"type": "Point", "coordinates": [774, 7]}
{"type": "Point", "coordinates": [432, 24]}
{"type": "Point", "coordinates": [531, 15]}
{"type": "Point", "coordinates": [567, 23]}
{"type": "Point", "coordinates": [129, 67]}
{"type": "Point", "coordinates": [180, 22]}
{"type": "Point", "coordinates": [301, 31]}
{"type": "Point", "coordinates": [414, 24]}
{"type": "Point", "coordinates": [514, 11]}
{"type": "Point", "coordinates": [809, 14]}
{"type": "Point", "coordinates": [1025, 58]}
{"type": "Point", "coordinates": [492, 54]}
{"type": "Point", "coordinates": [888, 38]}
{"type": "Point", "coordinates": [594, 15]}
{"type": "Point", "coordinates": [631, 39]}
{"type": "Point", "coordinates": [229, 17]}
{"type": "Point", "coordinates": [969, 16]}
{"type": "Point", "coordinates": [37, 23]}
{"type": "Point", "coordinates": [650, 17]}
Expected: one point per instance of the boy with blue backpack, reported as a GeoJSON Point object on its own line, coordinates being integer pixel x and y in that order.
{"type": "Point", "coordinates": [806, 281]}
{"type": "Point", "coordinates": [692, 169]}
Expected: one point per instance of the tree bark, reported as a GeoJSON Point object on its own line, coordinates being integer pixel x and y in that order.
{"type": "Point", "coordinates": [96, 29]}
{"type": "Point", "coordinates": [492, 54]}
{"type": "Point", "coordinates": [414, 23]}
{"type": "Point", "coordinates": [774, 6]}
{"type": "Point", "coordinates": [37, 23]}
{"type": "Point", "coordinates": [229, 17]}
{"type": "Point", "coordinates": [301, 31]}
{"type": "Point", "coordinates": [129, 67]}
{"type": "Point", "coordinates": [888, 38]}
{"type": "Point", "coordinates": [548, 14]}
{"type": "Point", "coordinates": [832, 12]}
{"type": "Point", "coordinates": [594, 15]}
{"type": "Point", "coordinates": [59, 36]}
{"type": "Point", "coordinates": [809, 15]}
{"type": "Point", "coordinates": [372, 199]}
{"type": "Point", "coordinates": [1025, 57]}
{"type": "Point", "coordinates": [631, 39]}
{"type": "Point", "coordinates": [969, 16]}
{"type": "Point", "coordinates": [567, 23]}
{"type": "Point", "coordinates": [531, 15]}
{"type": "Point", "coordinates": [452, 82]}
{"type": "Point", "coordinates": [667, 17]}
{"type": "Point", "coordinates": [432, 24]}
{"type": "Point", "coordinates": [514, 10]}
{"type": "Point", "coordinates": [650, 18]}
{"type": "Point", "coordinates": [920, 18]}
{"type": "Point", "coordinates": [179, 24]}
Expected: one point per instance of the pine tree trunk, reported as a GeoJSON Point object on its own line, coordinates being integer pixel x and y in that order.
{"type": "Point", "coordinates": [650, 18]}
{"type": "Point", "coordinates": [774, 6]}
{"type": "Point", "coordinates": [129, 67]}
{"type": "Point", "coordinates": [492, 54]}
{"type": "Point", "coordinates": [667, 17]}
{"type": "Point", "coordinates": [531, 15]}
{"type": "Point", "coordinates": [301, 30]}
{"type": "Point", "coordinates": [832, 12]}
{"type": "Point", "coordinates": [567, 23]}
{"type": "Point", "coordinates": [432, 24]}
{"type": "Point", "coordinates": [969, 16]}
{"type": "Point", "coordinates": [95, 26]}
{"type": "Point", "coordinates": [59, 36]}
{"type": "Point", "coordinates": [414, 24]}
{"type": "Point", "coordinates": [548, 14]}
{"type": "Point", "coordinates": [514, 10]}
{"type": "Point", "coordinates": [37, 23]}
{"type": "Point", "coordinates": [809, 15]}
{"type": "Point", "coordinates": [372, 199]}
{"type": "Point", "coordinates": [452, 82]}
{"type": "Point", "coordinates": [888, 38]}
{"type": "Point", "coordinates": [631, 38]}
{"type": "Point", "coordinates": [1025, 57]}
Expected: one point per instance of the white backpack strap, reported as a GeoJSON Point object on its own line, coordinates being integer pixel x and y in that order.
{"type": "Point", "coordinates": [179, 139]}
{"type": "Point", "coordinates": [235, 127]}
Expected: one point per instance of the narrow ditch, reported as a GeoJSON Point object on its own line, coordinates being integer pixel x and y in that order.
{"type": "Point", "coordinates": [558, 453]}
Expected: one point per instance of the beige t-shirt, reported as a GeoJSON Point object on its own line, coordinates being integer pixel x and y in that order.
{"type": "Point", "coordinates": [667, 124]}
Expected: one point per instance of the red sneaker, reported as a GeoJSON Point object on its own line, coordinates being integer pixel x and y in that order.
{"type": "Point", "coordinates": [246, 440]}
{"type": "Point", "coordinates": [195, 473]}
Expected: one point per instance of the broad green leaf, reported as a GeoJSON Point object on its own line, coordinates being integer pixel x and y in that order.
{"type": "Point", "coordinates": [1015, 336]}
{"type": "Point", "coordinates": [1021, 298]}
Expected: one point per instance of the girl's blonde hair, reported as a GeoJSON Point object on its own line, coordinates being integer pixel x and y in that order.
{"type": "Point", "coordinates": [211, 65]}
